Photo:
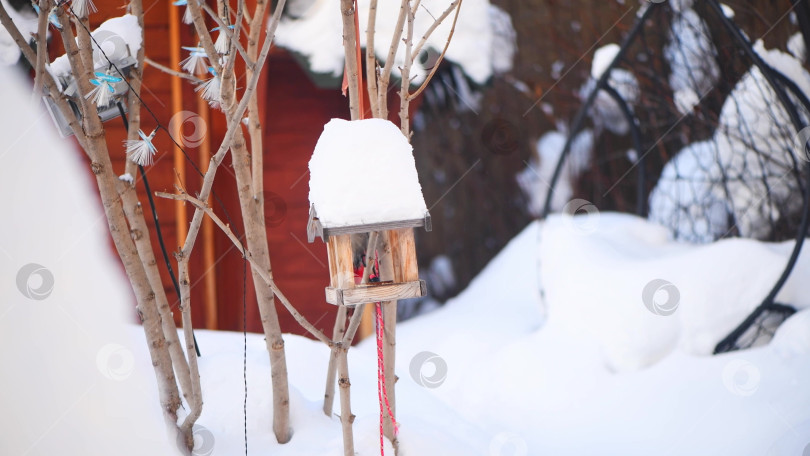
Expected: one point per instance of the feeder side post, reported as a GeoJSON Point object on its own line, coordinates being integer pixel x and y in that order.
{"type": "Point", "coordinates": [341, 270]}
{"type": "Point", "coordinates": [341, 276]}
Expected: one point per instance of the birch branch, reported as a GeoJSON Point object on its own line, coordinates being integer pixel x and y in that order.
{"type": "Point", "coordinates": [347, 12]}
{"type": "Point", "coordinates": [196, 401]}
{"type": "Point", "coordinates": [203, 34]}
{"type": "Point", "coordinates": [249, 16]}
{"type": "Point", "coordinates": [371, 58]}
{"type": "Point", "coordinates": [404, 104]}
{"type": "Point", "coordinates": [42, 51]}
{"type": "Point", "coordinates": [385, 77]}
{"type": "Point", "coordinates": [436, 24]}
{"type": "Point", "coordinates": [140, 235]}
{"type": "Point", "coordinates": [254, 121]}
{"type": "Point", "coordinates": [135, 81]}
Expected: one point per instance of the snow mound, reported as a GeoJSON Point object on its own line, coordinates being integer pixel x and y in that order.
{"type": "Point", "coordinates": [72, 377]}
{"type": "Point", "coordinates": [601, 278]}
{"type": "Point", "coordinates": [363, 172]}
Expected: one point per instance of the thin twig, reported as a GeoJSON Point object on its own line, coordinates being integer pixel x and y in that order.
{"type": "Point", "coordinates": [385, 75]}
{"type": "Point", "coordinates": [246, 253]}
{"type": "Point", "coordinates": [171, 72]}
{"type": "Point", "coordinates": [436, 23]}
{"type": "Point", "coordinates": [347, 13]}
{"type": "Point", "coordinates": [441, 56]}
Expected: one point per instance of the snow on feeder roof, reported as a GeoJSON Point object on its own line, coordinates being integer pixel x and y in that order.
{"type": "Point", "coordinates": [363, 178]}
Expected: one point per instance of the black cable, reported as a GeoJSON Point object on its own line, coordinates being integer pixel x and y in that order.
{"type": "Point", "coordinates": [157, 224]}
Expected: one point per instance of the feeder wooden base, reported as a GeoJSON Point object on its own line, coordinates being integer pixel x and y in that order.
{"type": "Point", "coordinates": [380, 292]}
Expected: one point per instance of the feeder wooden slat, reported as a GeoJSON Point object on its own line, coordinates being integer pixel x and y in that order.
{"type": "Point", "coordinates": [404, 255]}
{"type": "Point", "coordinates": [363, 294]}
{"type": "Point", "coordinates": [315, 228]}
{"type": "Point", "coordinates": [341, 269]}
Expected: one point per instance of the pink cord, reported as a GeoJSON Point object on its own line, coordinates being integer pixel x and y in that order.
{"type": "Point", "coordinates": [381, 390]}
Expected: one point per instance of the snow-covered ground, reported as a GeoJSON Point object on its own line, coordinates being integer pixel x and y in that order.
{"type": "Point", "coordinates": [498, 371]}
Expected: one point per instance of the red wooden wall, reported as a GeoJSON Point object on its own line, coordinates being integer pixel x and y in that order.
{"type": "Point", "coordinates": [294, 111]}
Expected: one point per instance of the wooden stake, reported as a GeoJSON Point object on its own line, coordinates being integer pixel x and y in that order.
{"type": "Point", "coordinates": [346, 417]}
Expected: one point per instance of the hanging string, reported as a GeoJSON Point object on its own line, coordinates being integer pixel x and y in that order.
{"type": "Point", "coordinates": [244, 335]}
{"type": "Point", "coordinates": [382, 392]}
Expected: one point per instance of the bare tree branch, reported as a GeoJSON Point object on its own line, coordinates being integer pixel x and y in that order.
{"type": "Point", "coordinates": [347, 13]}
{"type": "Point", "coordinates": [169, 71]}
{"type": "Point", "coordinates": [42, 51]}
{"type": "Point", "coordinates": [436, 23]}
{"type": "Point", "coordinates": [441, 56]}
{"type": "Point", "coordinates": [385, 77]}
{"type": "Point", "coordinates": [371, 59]}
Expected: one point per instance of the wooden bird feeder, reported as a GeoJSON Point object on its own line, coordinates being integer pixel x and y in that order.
{"type": "Point", "coordinates": [363, 181]}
